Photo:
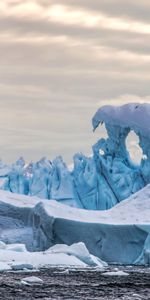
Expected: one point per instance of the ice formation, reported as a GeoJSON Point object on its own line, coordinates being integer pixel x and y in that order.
{"type": "Point", "coordinates": [120, 235]}
{"type": "Point", "coordinates": [98, 182]}
{"type": "Point", "coordinates": [99, 227]}
{"type": "Point", "coordinates": [58, 255]}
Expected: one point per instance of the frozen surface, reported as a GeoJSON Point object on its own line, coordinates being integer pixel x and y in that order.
{"type": "Point", "coordinates": [115, 273]}
{"type": "Point", "coordinates": [97, 182]}
{"type": "Point", "coordinates": [133, 115]}
{"type": "Point", "coordinates": [119, 235]}
{"type": "Point", "coordinates": [31, 280]}
{"type": "Point", "coordinates": [95, 224]}
{"type": "Point", "coordinates": [58, 255]}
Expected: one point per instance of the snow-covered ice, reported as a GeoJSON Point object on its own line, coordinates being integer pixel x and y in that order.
{"type": "Point", "coordinates": [58, 255]}
{"type": "Point", "coordinates": [97, 182]}
{"type": "Point", "coordinates": [80, 251]}
{"type": "Point", "coordinates": [4, 266]}
{"type": "Point", "coordinates": [119, 235]}
{"type": "Point", "coordinates": [54, 215]}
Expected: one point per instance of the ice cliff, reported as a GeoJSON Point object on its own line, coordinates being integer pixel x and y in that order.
{"type": "Point", "coordinates": [95, 216]}
{"type": "Point", "coordinates": [120, 235]}
{"type": "Point", "coordinates": [98, 182]}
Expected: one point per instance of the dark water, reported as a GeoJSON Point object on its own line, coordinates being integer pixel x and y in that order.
{"type": "Point", "coordinates": [77, 284]}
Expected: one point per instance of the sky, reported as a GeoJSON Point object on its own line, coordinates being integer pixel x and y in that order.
{"type": "Point", "coordinates": [59, 62]}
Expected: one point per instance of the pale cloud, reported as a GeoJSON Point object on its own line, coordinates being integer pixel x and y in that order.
{"type": "Point", "coordinates": [61, 61]}
{"type": "Point", "coordinates": [64, 14]}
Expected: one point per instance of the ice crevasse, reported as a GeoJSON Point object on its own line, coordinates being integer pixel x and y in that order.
{"type": "Point", "coordinates": [98, 182]}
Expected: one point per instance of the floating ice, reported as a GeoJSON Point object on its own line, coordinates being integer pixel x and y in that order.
{"type": "Point", "coordinates": [80, 251]}
{"type": "Point", "coordinates": [119, 235]}
{"type": "Point", "coordinates": [74, 255]}
{"type": "Point", "coordinates": [31, 280]}
{"type": "Point", "coordinates": [119, 232]}
{"type": "Point", "coordinates": [98, 182]}
{"type": "Point", "coordinates": [21, 266]}
{"type": "Point", "coordinates": [115, 273]}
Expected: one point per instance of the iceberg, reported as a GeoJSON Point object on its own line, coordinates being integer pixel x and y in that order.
{"type": "Point", "coordinates": [15, 258]}
{"type": "Point", "coordinates": [97, 182]}
{"type": "Point", "coordinates": [120, 235]}
{"type": "Point", "coordinates": [96, 212]}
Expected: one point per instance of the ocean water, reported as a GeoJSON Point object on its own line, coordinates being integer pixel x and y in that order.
{"type": "Point", "coordinates": [61, 283]}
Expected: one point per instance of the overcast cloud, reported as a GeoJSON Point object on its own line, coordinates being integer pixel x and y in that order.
{"type": "Point", "coordinates": [60, 61]}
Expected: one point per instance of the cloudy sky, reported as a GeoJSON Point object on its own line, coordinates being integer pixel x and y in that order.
{"type": "Point", "coordinates": [62, 60]}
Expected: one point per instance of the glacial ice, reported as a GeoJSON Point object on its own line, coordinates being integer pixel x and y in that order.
{"type": "Point", "coordinates": [117, 273]}
{"type": "Point", "coordinates": [120, 235]}
{"type": "Point", "coordinates": [94, 226]}
{"type": "Point", "coordinates": [98, 182]}
{"type": "Point", "coordinates": [62, 255]}
{"type": "Point", "coordinates": [31, 280]}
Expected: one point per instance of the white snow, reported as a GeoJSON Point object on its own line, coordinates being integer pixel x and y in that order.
{"type": "Point", "coordinates": [16, 247]}
{"type": "Point", "coordinates": [80, 251]}
{"type": "Point", "coordinates": [134, 210]}
{"type": "Point", "coordinates": [59, 255]}
{"type": "Point", "coordinates": [128, 115]}
{"type": "Point", "coordinates": [101, 231]}
{"type": "Point", "coordinates": [4, 266]}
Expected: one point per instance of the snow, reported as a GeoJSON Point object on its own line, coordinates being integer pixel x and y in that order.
{"type": "Point", "coordinates": [36, 260]}
{"type": "Point", "coordinates": [119, 235]}
{"type": "Point", "coordinates": [16, 247]}
{"type": "Point", "coordinates": [93, 213]}
{"type": "Point", "coordinates": [80, 251]}
{"type": "Point", "coordinates": [59, 255]}
{"type": "Point", "coordinates": [4, 266]}
{"type": "Point", "coordinates": [128, 115]}
{"type": "Point", "coordinates": [97, 182]}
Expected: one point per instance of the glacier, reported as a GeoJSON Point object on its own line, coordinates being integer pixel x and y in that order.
{"type": "Point", "coordinates": [97, 182]}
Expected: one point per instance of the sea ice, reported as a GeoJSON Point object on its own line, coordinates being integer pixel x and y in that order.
{"type": "Point", "coordinates": [117, 273]}
{"type": "Point", "coordinates": [32, 280]}
{"type": "Point", "coordinates": [80, 251]}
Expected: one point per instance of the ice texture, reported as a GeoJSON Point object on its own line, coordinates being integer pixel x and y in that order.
{"type": "Point", "coordinates": [97, 182]}
{"type": "Point", "coordinates": [120, 235]}
{"type": "Point", "coordinates": [73, 255]}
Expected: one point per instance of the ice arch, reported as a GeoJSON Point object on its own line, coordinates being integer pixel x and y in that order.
{"type": "Point", "coordinates": [132, 145]}
{"type": "Point", "coordinates": [97, 182]}
{"type": "Point", "coordinates": [123, 176]}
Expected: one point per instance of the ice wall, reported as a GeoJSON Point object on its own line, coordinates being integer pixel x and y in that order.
{"type": "Point", "coordinates": [119, 235]}
{"type": "Point", "coordinates": [97, 182]}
